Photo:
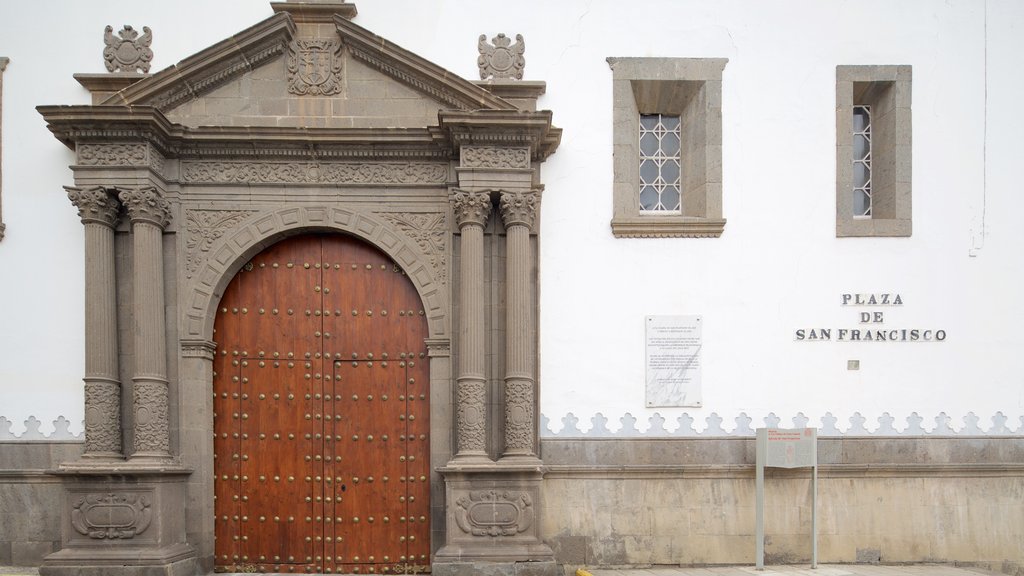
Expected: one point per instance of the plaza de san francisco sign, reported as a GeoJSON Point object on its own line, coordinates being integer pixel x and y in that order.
{"type": "Point", "coordinates": [871, 327]}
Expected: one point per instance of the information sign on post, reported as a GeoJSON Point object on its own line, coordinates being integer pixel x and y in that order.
{"type": "Point", "coordinates": [781, 448]}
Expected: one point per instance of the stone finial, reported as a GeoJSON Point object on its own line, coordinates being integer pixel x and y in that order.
{"type": "Point", "coordinates": [129, 52]}
{"type": "Point", "coordinates": [500, 60]}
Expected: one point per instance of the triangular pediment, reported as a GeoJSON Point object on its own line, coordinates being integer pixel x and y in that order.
{"type": "Point", "coordinates": [275, 74]}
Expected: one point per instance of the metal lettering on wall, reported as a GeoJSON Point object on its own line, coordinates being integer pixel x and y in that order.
{"type": "Point", "coordinates": [672, 359]}
{"type": "Point", "coordinates": [872, 328]}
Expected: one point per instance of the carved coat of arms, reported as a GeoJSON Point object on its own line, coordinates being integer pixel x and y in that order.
{"type": "Point", "coordinates": [502, 59]}
{"type": "Point", "coordinates": [127, 52]}
{"type": "Point", "coordinates": [314, 67]}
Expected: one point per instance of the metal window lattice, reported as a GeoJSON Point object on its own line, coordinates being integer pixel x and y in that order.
{"type": "Point", "coordinates": [659, 163]}
{"type": "Point", "coordinates": [862, 162]}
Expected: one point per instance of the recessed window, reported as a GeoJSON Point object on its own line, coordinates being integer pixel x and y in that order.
{"type": "Point", "coordinates": [873, 151]}
{"type": "Point", "coordinates": [667, 142]}
{"type": "Point", "coordinates": [659, 163]}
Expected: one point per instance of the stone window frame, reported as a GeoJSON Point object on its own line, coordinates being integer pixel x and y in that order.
{"type": "Point", "coordinates": [887, 90]}
{"type": "Point", "coordinates": [692, 89]}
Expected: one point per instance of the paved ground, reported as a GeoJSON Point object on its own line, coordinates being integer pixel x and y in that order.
{"type": "Point", "coordinates": [822, 570]}
{"type": "Point", "coordinates": [805, 570]}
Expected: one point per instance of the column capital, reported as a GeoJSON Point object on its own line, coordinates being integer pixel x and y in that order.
{"type": "Point", "coordinates": [96, 205]}
{"type": "Point", "coordinates": [519, 208]}
{"type": "Point", "coordinates": [471, 207]}
{"type": "Point", "coordinates": [146, 204]}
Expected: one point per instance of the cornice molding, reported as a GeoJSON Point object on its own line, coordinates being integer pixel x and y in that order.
{"type": "Point", "coordinates": [502, 128]}
{"type": "Point", "coordinates": [414, 71]}
{"type": "Point", "coordinates": [209, 68]}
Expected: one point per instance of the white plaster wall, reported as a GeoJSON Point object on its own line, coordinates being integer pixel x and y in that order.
{"type": "Point", "coordinates": [777, 267]}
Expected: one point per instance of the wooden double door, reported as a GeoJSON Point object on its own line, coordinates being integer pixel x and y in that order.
{"type": "Point", "coordinates": [321, 413]}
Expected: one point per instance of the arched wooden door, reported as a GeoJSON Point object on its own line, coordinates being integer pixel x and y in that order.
{"type": "Point", "coordinates": [321, 423]}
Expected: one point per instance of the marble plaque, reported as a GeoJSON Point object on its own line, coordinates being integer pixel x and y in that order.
{"type": "Point", "coordinates": [672, 355]}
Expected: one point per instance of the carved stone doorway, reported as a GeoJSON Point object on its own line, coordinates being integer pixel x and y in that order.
{"type": "Point", "coordinates": [321, 413]}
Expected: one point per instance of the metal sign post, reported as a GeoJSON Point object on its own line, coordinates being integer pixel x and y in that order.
{"type": "Point", "coordinates": [779, 448]}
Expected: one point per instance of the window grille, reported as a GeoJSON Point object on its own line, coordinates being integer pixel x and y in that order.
{"type": "Point", "coordinates": [659, 163]}
{"type": "Point", "coordinates": [862, 162]}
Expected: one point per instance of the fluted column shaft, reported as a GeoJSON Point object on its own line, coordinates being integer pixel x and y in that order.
{"type": "Point", "coordinates": [98, 210]}
{"type": "Point", "coordinates": [518, 211]}
{"type": "Point", "coordinates": [149, 213]}
{"type": "Point", "coordinates": [471, 212]}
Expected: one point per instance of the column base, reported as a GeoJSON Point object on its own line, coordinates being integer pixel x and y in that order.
{"type": "Point", "coordinates": [489, 568]}
{"type": "Point", "coordinates": [176, 560]}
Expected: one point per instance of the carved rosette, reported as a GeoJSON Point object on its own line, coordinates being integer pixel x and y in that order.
{"type": "Point", "coordinates": [96, 205]}
{"type": "Point", "coordinates": [518, 208]}
{"type": "Point", "coordinates": [151, 430]}
{"type": "Point", "coordinates": [147, 205]}
{"type": "Point", "coordinates": [314, 67]}
{"type": "Point", "coordinates": [519, 428]}
{"type": "Point", "coordinates": [471, 208]}
{"type": "Point", "coordinates": [102, 417]}
{"type": "Point", "coordinates": [204, 228]}
{"type": "Point", "coordinates": [111, 516]}
{"type": "Point", "coordinates": [472, 435]}
{"type": "Point", "coordinates": [494, 512]}
{"type": "Point", "coordinates": [494, 157]}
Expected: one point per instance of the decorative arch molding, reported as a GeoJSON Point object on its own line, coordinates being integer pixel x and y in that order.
{"type": "Point", "coordinates": [228, 254]}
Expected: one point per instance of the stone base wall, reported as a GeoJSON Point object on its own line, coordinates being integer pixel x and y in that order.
{"type": "Point", "coordinates": [692, 502]}
{"type": "Point", "coordinates": [30, 499]}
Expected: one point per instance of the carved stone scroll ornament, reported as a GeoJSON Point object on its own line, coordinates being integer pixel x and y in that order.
{"type": "Point", "coordinates": [95, 205]}
{"type": "Point", "coordinates": [518, 208]}
{"type": "Point", "coordinates": [472, 208]}
{"type": "Point", "coordinates": [127, 52]}
{"type": "Point", "coordinates": [111, 516]}
{"type": "Point", "coordinates": [314, 67]}
{"type": "Point", "coordinates": [501, 60]}
{"type": "Point", "coordinates": [147, 205]}
{"type": "Point", "coordinates": [494, 157]}
{"type": "Point", "coordinates": [316, 173]}
{"type": "Point", "coordinates": [204, 228]}
{"type": "Point", "coordinates": [494, 513]}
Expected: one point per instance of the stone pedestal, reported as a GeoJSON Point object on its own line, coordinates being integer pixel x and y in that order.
{"type": "Point", "coordinates": [123, 523]}
{"type": "Point", "coordinates": [493, 520]}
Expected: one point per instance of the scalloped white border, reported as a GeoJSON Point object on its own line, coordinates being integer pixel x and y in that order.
{"type": "Point", "coordinates": [828, 425]}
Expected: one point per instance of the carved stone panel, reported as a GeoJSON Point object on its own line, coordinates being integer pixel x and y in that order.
{"type": "Point", "coordinates": [112, 515]}
{"type": "Point", "coordinates": [494, 512]}
{"type": "Point", "coordinates": [204, 228]}
{"type": "Point", "coordinates": [429, 231]}
{"type": "Point", "coordinates": [314, 67]}
{"type": "Point", "coordinates": [371, 173]}
{"type": "Point", "coordinates": [494, 157]}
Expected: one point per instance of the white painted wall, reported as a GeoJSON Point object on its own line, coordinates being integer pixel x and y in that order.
{"type": "Point", "coordinates": [777, 267]}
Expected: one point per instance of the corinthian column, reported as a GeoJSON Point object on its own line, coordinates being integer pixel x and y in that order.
{"type": "Point", "coordinates": [471, 212]}
{"type": "Point", "coordinates": [98, 209]}
{"type": "Point", "coordinates": [518, 211]}
{"type": "Point", "coordinates": [149, 213]}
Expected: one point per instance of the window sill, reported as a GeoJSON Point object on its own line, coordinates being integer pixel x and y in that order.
{"type": "Point", "coordinates": [667, 227]}
{"type": "Point", "coordinates": [873, 228]}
